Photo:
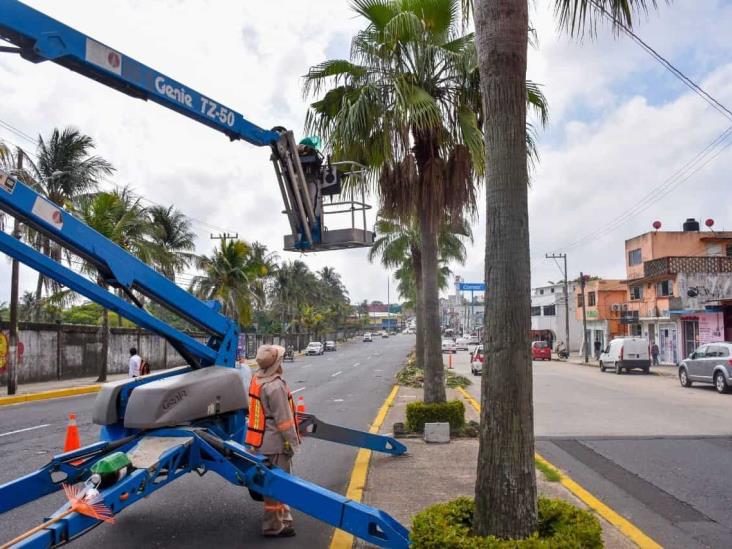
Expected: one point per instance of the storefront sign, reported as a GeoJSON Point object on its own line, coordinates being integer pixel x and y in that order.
{"type": "Point", "coordinates": [711, 327]}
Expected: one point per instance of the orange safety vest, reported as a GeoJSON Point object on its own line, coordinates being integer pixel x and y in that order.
{"type": "Point", "coordinates": [257, 415]}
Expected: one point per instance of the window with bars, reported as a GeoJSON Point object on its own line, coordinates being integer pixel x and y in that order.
{"type": "Point", "coordinates": [550, 310]}
{"type": "Point", "coordinates": [636, 293]}
{"type": "Point", "coordinates": [591, 300]}
{"type": "Point", "coordinates": [536, 311]}
{"type": "Point", "coordinates": [664, 288]}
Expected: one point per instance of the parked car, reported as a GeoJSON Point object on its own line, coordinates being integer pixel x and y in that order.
{"type": "Point", "coordinates": [314, 348]}
{"type": "Point", "coordinates": [462, 343]}
{"type": "Point", "coordinates": [384, 334]}
{"type": "Point", "coordinates": [448, 346]}
{"type": "Point", "coordinates": [330, 345]}
{"type": "Point", "coordinates": [477, 358]}
{"type": "Point", "coordinates": [473, 340]}
{"type": "Point", "coordinates": [626, 353]}
{"type": "Point", "coordinates": [710, 363]}
{"type": "Point", "coordinates": [540, 350]}
{"type": "Point", "coordinates": [367, 337]}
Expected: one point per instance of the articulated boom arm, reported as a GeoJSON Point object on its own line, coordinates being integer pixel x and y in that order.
{"type": "Point", "coordinates": [42, 38]}
{"type": "Point", "coordinates": [39, 37]}
{"type": "Point", "coordinates": [119, 269]}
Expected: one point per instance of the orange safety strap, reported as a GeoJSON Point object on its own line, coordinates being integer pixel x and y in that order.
{"type": "Point", "coordinates": [273, 506]}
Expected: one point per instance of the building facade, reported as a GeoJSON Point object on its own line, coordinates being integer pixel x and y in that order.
{"type": "Point", "coordinates": [679, 289]}
{"type": "Point", "coordinates": [604, 305]}
{"type": "Point", "coordinates": [548, 315]}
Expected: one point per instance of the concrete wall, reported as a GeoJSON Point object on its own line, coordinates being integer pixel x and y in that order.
{"type": "Point", "coordinates": [63, 351]}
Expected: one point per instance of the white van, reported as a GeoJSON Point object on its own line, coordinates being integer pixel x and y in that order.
{"type": "Point", "coordinates": [626, 353]}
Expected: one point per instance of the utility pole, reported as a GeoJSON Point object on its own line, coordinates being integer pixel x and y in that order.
{"type": "Point", "coordinates": [566, 296]}
{"type": "Point", "coordinates": [14, 276]}
{"type": "Point", "coordinates": [224, 236]}
{"type": "Point", "coordinates": [584, 316]}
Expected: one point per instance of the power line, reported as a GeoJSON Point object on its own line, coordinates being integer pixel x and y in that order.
{"type": "Point", "coordinates": [688, 82]}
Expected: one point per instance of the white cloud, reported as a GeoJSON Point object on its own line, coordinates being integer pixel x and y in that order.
{"type": "Point", "coordinates": [619, 123]}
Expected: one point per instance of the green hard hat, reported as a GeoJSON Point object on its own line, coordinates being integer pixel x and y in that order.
{"type": "Point", "coordinates": [311, 141]}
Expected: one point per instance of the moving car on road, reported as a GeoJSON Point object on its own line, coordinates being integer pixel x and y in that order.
{"type": "Point", "coordinates": [626, 353]}
{"type": "Point", "coordinates": [384, 334]}
{"type": "Point", "coordinates": [367, 337]}
{"type": "Point", "coordinates": [330, 345]}
{"type": "Point", "coordinates": [710, 363]}
{"type": "Point", "coordinates": [462, 343]}
{"type": "Point", "coordinates": [477, 358]}
{"type": "Point", "coordinates": [540, 350]}
{"type": "Point", "coordinates": [314, 348]}
{"type": "Point", "coordinates": [448, 346]}
{"type": "Point", "coordinates": [473, 340]}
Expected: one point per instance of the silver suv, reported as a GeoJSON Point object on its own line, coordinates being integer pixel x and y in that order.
{"type": "Point", "coordinates": [711, 363]}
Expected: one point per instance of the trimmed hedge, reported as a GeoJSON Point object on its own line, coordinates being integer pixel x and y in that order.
{"type": "Point", "coordinates": [419, 413]}
{"type": "Point", "coordinates": [561, 526]}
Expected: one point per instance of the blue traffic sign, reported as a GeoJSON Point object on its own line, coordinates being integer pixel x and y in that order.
{"type": "Point", "coordinates": [471, 286]}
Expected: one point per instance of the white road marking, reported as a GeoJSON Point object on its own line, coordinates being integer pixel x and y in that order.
{"type": "Point", "coordinates": [338, 400]}
{"type": "Point", "coordinates": [24, 430]}
{"type": "Point", "coordinates": [357, 364]}
{"type": "Point", "coordinates": [339, 372]}
{"type": "Point", "coordinates": [378, 370]}
{"type": "Point", "coordinates": [298, 390]}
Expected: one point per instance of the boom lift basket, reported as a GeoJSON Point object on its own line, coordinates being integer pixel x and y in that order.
{"type": "Point", "coordinates": [305, 181]}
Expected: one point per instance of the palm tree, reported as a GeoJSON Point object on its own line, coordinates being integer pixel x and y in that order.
{"type": "Point", "coordinates": [65, 169]}
{"type": "Point", "coordinates": [407, 105]}
{"type": "Point", "coordinates": [398, 245]}
{"type": "Point", "coordinates": [120, 217]}
{"type": "Point", "coordinates": [228, 277]}
{"type": "Point", "coordinates": [172, 239]}
{"type": "Point", "coordinates": [505, 490]}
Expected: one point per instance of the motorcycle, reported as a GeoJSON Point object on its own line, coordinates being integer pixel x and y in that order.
{"type": "Point", "coordinates": [563, 354]}
{"type": "Point", "coordinates": [289, 353]}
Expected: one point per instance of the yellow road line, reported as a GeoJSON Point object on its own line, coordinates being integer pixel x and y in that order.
{"type": "Point", "coordinates": [630, 530]}
{"type": "Point", "coordinates": [341, 539]}
{"type": "Point", "coordinates": [55, 393]}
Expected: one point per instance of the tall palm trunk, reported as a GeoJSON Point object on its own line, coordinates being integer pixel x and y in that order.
{"type": "Point", "coordinates": [434, 373]}
{"type": "Point", "coordinates": [418, 307]}
{"type": "Point", "coordinates": [505, 491]}
{"type": "Point", "coordinates": [105, 347]}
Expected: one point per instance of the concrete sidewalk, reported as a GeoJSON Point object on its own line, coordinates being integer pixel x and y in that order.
{"type": "Point", "coordinates": [433, 473]}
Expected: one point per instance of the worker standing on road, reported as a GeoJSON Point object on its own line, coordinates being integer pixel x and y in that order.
{"type": "Point", "coordinates": [272, 430]}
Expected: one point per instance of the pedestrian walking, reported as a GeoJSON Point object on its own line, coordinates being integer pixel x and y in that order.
{"type": "Point", "coordinates": [134, 364]}
{"type": "Point", "coordinates": [273, 431]}
{"type": "Point", "coordinates": [655, 351]}
{"type": "Point", "coordinates": [598, 349]}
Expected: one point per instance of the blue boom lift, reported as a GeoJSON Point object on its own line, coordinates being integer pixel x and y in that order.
{"type": "Point", "coordinates": [191, 418]}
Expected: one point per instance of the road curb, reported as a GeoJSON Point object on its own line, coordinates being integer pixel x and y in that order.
{"type": "Point", "coordinates": [357, 483]}
{"type": "Point", "coordinates": [44, 395]}
{"type": "Point", "coordinates": [628, 529]}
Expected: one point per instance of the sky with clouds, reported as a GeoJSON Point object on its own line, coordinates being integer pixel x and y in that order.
{"type": "Point", "coordinates": [620, 126]}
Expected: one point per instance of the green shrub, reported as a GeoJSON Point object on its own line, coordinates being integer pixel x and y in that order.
{"type": "Point", "coordinates": [419, 413]}
{"type": "Point", "coordinates": [561, 526]}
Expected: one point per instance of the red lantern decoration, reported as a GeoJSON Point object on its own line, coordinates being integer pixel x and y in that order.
{"type": "Point", "coordinates": [656, 225]}
{"type": "Point", "coordinates": [709, 222]}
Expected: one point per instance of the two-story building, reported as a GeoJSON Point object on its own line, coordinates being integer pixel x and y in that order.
{"type": "Point", "coordinates": [679, 288]}
{"type": "Point", "coordinates": [548, 316]}
{"type": "Point", "coordinates": [603, 301]}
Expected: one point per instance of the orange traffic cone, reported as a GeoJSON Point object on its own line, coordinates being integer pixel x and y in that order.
{"type": "Point", "coordinates": [72, 441]}
{"type": "Point", "coordinates": [449, 362]}
{"type": "Point", "coordinates": [300, 405]}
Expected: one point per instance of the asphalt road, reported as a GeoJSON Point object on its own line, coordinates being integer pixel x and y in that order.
{"type": "Point", "coordinates": [346, 387]}
{"type": "Point", "coordinates": [658, 454]}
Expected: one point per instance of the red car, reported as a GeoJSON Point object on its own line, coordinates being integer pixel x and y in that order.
{"type": "Point", "coordinates": [540, 350]}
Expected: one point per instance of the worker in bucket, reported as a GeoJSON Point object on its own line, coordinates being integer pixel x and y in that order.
{"type": "Point", "coordinates": [272, 430]}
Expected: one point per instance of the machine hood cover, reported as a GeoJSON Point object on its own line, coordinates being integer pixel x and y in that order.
{"type": "Point", "coordinates": [187, 397]}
